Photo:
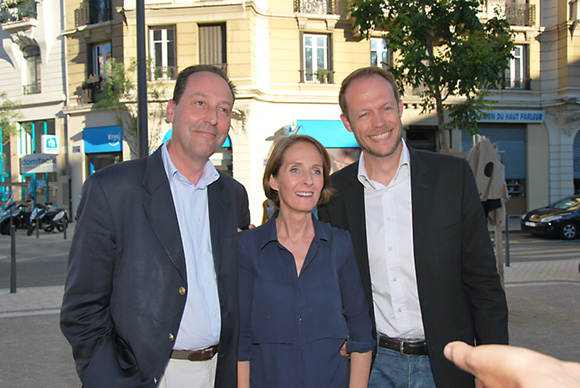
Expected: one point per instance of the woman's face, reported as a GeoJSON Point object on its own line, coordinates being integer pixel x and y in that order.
{"type": "Point", "coordinates": [300, 179]}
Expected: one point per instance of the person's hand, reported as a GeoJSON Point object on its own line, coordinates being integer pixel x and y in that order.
{"type": "Point", "coordinates": [502, 366]}
{"type": "Point", "coordinates": [251, 226]}
{"type": "Point", "coordinates": [343, 352]}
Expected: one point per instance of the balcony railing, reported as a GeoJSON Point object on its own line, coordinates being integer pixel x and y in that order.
{"type": "Point", "coordinates": [516, 14]}
{"type": "Point", "coordinates": [17, 11]}
{"type": "Point", "coordinates": [321, 7]}
{"type": "Point", "coordinates": [520, 14]}
{"type": "Point", "coordinates": [92, 11]}
{"type": "Point", "coordinates": [33, 88]}
{"type": "Point", "coordinates": [163, 72]}
{"type": "Point", "coordinates": [322, 76]}
{"type": "Point", "coordinates": [520, 83]}
{"type": "Point", "coordinates": [90, 90]}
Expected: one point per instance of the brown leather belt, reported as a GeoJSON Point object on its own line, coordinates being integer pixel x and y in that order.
{"type": "Point", "coordinates": [404, 346]}
{"type": "Point", "coordinates": [195, 355]}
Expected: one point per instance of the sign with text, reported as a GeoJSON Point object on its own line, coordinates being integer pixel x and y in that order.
{"type": "Point", "coordinates": [513, 116]}
{"type": "Point", "coordinates": [103, 139]}
{"type": "Point", "coordinates": [37, 163]}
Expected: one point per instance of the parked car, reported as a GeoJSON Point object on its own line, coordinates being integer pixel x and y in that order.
{"type": "Point", "coordinates": [561, 219]}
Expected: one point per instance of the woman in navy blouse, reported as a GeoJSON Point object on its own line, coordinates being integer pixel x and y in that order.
{"type": "Point", "coordinates": [301, 296]}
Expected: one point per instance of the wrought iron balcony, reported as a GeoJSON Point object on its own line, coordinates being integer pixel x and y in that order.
{"type": "Point", "coordinates": [163, 72]}
{"type": "Point", "coordinates": [17, 11]}
{"type": "Point", "coordinates": [520, 14]}
{"type": "Point", "coordinates": [33, 88]}
{"type": "Point", "coordinates": [93, 11]}
{"type": "Point", "coordinates": [321, 7]}
{"type": "Point", "coordinates": [90, 90]}
{"type": "Point", "coordinates": [516, 14]}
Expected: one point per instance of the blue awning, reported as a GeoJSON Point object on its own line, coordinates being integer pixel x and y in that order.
{"type": "Point", "coordinates": [103, 139]}
{"type": "Point", "coordinates": [331, 133]}
{"type": "Point", "coordinates": [227, 143]}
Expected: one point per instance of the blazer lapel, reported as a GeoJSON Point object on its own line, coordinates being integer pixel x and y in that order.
{"type": "Point", "coordinates": [355, 213]}
{"type": "Point", "coordinates": [160, 211]}
{"type": "Point", "coordinates": [217, 204]}
{"type": "Point", "coordinates": [421, 187]}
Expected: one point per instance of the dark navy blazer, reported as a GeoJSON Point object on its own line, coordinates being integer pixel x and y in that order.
{"type": "Point", "coordinates": [124, 296]}
{"type": "Point", "coordinates": [459, 289]}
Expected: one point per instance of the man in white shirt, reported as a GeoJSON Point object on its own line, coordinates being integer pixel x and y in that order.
{"type": "Point", "coordinates": [420, 239]}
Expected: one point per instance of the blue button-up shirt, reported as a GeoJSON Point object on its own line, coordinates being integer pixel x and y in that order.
{"type": "Point", "coordinates": [200, 323]}
{"type": "Point", "coordinates": [292, 327]}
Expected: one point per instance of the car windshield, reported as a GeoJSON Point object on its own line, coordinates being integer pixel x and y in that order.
{"type": "Point", "coordinates": [567, 203]}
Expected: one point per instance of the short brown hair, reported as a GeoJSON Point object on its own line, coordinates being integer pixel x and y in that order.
{"type": "Point", "coordinates": [365, 72]}
{"type": "Point", "coordinates": [276, 159]}
{"type": "Point", "coordinates": [185, 73]}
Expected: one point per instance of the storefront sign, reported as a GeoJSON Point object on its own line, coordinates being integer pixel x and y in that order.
{"type": "Point", "coordinates": [513, 116]}
{"type": "Point", "coordinates": [103, 139]}
{"type": "Point", "coordinates": [37, 163]}
{"type": "Point", "coordinates": [49, 144]}
{"type": "Point", "coordinates": [331, 133]}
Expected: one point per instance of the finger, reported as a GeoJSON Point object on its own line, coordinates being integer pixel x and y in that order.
{"type": "Point", "coordinates": [460, 354]}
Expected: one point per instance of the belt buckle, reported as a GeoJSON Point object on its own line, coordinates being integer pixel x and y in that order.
{"type": "Point", "coordinates": [212, 351]}
{"type": "Point", "coordinates": [402, 347]}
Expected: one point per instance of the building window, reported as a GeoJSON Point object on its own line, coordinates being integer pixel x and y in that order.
{"type": "Point", "coordinates": [31, 76]}
{"type": "Point", "coordinates": [517, 74]}
{"type": "Point", "coordinates": [98, 65]}
{"type": "Point", "coordinates": [379, 53]}
{"type": "Point", "coordinates": [100, 57]}
{"type": "Point", "coordinates": [212, 45]}
{"type": "Point", "coordinates": [316, 58]}
{"type": "Point", "coordinates": [162, 41]}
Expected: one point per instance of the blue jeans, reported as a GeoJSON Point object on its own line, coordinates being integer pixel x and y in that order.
{"type": "Point", "coordinates": [395, 370]}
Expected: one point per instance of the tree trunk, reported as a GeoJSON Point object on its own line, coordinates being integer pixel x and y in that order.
{"type": "Point", "coordinates": [441, 130]}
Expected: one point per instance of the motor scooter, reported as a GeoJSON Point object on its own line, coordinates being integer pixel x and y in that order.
{"type": "Point", "coordinates": [12, 215]}
{"type": "Point", "coordinates": [59, 221]}
{"type": "Point", "coordinates": [40, 215]}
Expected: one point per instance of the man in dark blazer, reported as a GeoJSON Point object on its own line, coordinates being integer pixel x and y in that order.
{"type": "Point", "coordinates": [430, 274]}
{"type": "Point", "coordinates": [129, 273]}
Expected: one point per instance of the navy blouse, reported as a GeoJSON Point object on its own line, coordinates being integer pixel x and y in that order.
{"type": "Point", "coordinates": [292, 327]}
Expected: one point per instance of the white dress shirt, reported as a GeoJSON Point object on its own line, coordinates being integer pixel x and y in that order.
{"type": "Point", "coordinates": [201, 320]}
{"type": "Point", "coordinates": [389, 223]}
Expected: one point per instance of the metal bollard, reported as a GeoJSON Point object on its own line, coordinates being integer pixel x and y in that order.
{"type": "Point", "coordinates": [12, 259]}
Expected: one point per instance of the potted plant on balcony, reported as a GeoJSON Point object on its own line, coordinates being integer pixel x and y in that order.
{"type": "Point", "coordinates": [322, 75]}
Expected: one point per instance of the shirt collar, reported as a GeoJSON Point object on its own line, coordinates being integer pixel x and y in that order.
{"type": "Point", "coordinates": [210, 173]}
{"type": "Point", "coordinates": [269, 233]}
{"type": "Point", "coordinates": [403, 170]}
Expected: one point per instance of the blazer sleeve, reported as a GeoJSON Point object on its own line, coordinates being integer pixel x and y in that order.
{"type": "Point", "coordinates": [479, 271]}
{"type": "Point", "coordinates": [85, 314]}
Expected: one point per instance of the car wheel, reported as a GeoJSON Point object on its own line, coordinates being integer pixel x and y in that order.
{"type": "Point", "coordinates": [569, 231]}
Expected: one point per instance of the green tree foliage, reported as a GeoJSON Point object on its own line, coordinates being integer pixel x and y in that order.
{"type": "Point", "coordinates": [9, 116]}
{"type": "Point", "coordinates": [442, 48]}
{"type": "Point", "coordinates": [119, 96]}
